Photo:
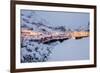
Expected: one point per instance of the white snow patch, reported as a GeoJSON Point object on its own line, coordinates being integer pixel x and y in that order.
{"type": "Point", "coordinates": [71, 50]}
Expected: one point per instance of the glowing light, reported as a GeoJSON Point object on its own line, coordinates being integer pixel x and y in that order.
{"type": "Point", "coordinates": [53, 35]}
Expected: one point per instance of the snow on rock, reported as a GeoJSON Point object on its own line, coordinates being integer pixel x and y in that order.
{"type": "Point", "coordinates": [34, 52]}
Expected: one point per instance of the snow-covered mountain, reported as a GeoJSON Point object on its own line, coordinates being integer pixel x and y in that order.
{"type": "Point", "coordinates": [33, 22]}
{"type": "Point", "coordinates": [32, 51]}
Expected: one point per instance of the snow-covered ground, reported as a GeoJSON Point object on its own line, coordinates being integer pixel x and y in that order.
{"type": "Point", "coordinates": [32, 51]}
{"type": "Point", "coordinates": [71, 50]}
